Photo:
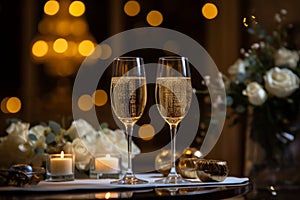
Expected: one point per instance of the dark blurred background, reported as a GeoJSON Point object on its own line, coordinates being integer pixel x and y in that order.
{"type": "Point", "coordinates": [37, 86]}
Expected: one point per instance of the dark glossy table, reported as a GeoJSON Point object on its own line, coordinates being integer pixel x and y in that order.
{"type": "Point", "coordinates": [162, 192]}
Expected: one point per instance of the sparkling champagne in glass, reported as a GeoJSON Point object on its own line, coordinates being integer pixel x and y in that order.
{"type": "Point", "coordinates": [173, 94]}
{"type": "Point", "coordinates": [128, 93]}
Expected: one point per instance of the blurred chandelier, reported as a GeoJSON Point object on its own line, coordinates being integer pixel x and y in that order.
{"type": "Point", "coordinates": [64, 39]}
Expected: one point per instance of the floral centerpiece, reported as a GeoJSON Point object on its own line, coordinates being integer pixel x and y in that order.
{"type": "Point", "coordinates": [26, 144]}
{"type": "Point", "coordinates": [265, 82]}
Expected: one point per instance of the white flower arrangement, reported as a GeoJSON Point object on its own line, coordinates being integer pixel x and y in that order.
{"type": "Point", "coordinates": [27, 145]}
{"type": "Point", "coordinates": [266, 80]}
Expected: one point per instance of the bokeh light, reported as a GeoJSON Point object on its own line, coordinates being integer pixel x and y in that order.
{"type": "Point", "coordinates": [100, 97]}
{"type": "Point", "coordinates": [146, 132]}
{"type": "Point", "coordinates": [77, 8]}
{"type": "Point", "coordinates": [209, 11]}
{"type": "Point", "coordinates": [13, 105]}
{"type": "Point", "coordinates": [60, 45]}
{"type": "Point", "coordinates": [51, 7]}
{"type": "Point", "coordinates": [154, 18]}
{"type": "Point", "coordinates": [3, 105]}
{"type": "Point", "coordinates": [63, 27]}
{"type": "Point", "coordinates": [78, 27]}
{"type": "Point", "coordinates": [40, 48]}
{"type": "Point", "coordinates": [106, 51]}
{"type": "Point", "coordinates": [85, 102]}
{"type": "Point", "coordinates": [86, 47]}
{"type": "Point", "coordinates": [132, 8]}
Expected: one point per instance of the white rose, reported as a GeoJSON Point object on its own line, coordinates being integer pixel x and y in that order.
{"type": "Point", "coordinates": [82, 155]}
{"type": "Point", "coordinates": [38, 130]}
{"type": "Point", "coordinates": [18, 136]}
{"type": "Point", "coordinates": [15, 147]}
{"type": "Point", "coordinates": [115, 142]}
{"type": "Point", "coordinates": [19, 128]}
{"type": "Point", "coordinates": [81, 128]}
{"type": "Point", "coordinates": [238, 67]}
{"type": "Point", "coordinates": [284, 56]}
{"type": "Point", "coordinates": [281, 82]}
{"type": "Point", "coordinates": [256, 94]}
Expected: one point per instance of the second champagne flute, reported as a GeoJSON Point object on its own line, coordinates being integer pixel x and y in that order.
{"type": "Point", "coordinates": [128, 94]}
{"type": "Point", "coordinates": [173, 94]}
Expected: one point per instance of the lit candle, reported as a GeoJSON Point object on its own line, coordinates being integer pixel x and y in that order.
{"type": "Point", "coordinates": [107, 164]}
{"type": "Point", "coordinates": [61, 165]}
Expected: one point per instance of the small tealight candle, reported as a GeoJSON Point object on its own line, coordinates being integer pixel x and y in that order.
{"type": "Point", "coordinates": [61, 165]}
{"type": "Point", "coordinates": [106, 164]}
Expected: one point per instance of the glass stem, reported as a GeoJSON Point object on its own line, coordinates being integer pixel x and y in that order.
{"type": "Point", "coordinates": [173, 130]}
{"type": "Point", "coordinates": [129, 130]}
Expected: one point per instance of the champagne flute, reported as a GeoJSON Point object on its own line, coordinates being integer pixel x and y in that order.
{"type": "Point", "coordinates": [173, 94]}
{"type": "Point", "coordinates": [128, 94]}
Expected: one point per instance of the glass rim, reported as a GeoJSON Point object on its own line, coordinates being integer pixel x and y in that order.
{"type": "Point", "coordinates": [172, 58]}
{"type": "Point", "coordinates": [128, 58]}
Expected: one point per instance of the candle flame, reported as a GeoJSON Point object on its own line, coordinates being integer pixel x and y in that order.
{"type": "Point", "coordinates": [62, 154]}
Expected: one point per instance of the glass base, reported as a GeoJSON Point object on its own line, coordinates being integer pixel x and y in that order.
{"type": "Point", "coordinates": [105, 175]}
{"type": "Point", "coordinates": [60, 178]}
{"type": "Point", "coordinates": [129, 180]}
{"type": "Point", "coordinates": [172, 179]}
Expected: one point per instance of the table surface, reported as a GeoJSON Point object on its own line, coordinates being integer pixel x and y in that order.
{"type": "Point", "coordinates": [87, 189]}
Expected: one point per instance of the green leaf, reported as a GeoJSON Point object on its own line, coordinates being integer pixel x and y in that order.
{"type": "Point", "coordinates": [32, 137]}
{"type": "Point", "coordinates": [261, 31]}
{"type": "Point", "coordinates": [251, 31]}
{"type": "Point", "coordinates": [104, 125]}
{"type": "Point", "coordinates": [39, 151]}
{"type": "Point", "coordinates": [55, 127]}
{"type": "Point", "coordinates": [50, 138]}
{"type": "Point", "coordinates": [43, 124]}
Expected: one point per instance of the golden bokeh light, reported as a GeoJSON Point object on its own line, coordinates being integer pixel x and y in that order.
{"type": "Point", "coordinates": [63, 69]}
{"type": "Point", "coordinates": [209, 11]}
{"type": "Point", "coordinates": [46, 26]}
{"type": "Point", "coordinates": [106, 51]}
{"type": "Point", "coordinates": [100, 97]}
{"type": "Point", "coordinates": [60, 45]}
{"type": "Point", "coordinates": [146, 132]}
{"type": "Point", "coordinates": [86, 47]}
{"type": "Point", "coordinates": [96, 53]}
{"type": "Point", "coordinates": [154, 18]}
{"type": "Point", "coordinates": [62, 27]}
{"type": "Point", "coordinates": [40, 48]}
{"type": "Point", "coordinates": [78, 27]}
{"type": "Point", "coordinates": [85, 102]}
{"type": "Point", "coordinates": [3, 105]}
{"type": "Point", "coordinates": [132, 8]}
{"type": "Point", "coordinates": [77, 8]}
{"type": "Point", "coordinates": [13, 105]}
{"type": "Point", "coordinates": [51, 7]}
{"type": "Point", "coordinates": [72, 49]}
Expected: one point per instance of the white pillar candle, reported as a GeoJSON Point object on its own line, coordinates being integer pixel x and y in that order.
{"type": "Point", "coordinates": [107, 164]}
{"type": "Point", "coordinates": [61, 165]}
